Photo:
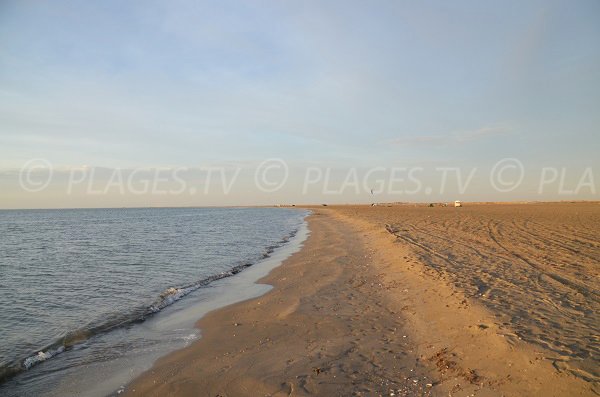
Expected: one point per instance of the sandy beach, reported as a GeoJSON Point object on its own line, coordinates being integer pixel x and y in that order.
{"type": "Point", "coordinates": [485, 300]}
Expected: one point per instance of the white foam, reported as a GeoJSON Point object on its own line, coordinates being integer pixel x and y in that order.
{"type": "Point", "coordinates": [42, 356]}
{"type": "Point", "coordinates": [189, 338]}
{"type": "Point", "coordinates": [170, 296]}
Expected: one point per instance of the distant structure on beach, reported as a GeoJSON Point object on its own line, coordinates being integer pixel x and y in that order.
{"type": "Point", "coordinates": [458, 203]}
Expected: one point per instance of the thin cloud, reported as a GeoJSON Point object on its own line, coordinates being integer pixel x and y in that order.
{"type": "Point", "coordinates": [453, 137]}
{"type": "Point", "coordinates": [425, 140]}
{"type": "Point", "coordinates": [482, 133]}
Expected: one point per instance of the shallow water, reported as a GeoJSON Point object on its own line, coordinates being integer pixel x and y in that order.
{"type": "Point", "coordinates": [90, 288]}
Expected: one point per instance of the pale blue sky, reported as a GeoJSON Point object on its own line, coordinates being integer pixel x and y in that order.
{"type": "Point", "coordinates": [156, 83]}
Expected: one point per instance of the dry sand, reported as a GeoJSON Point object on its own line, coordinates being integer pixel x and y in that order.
{"type": "Point", "coordinates": [480, 300]}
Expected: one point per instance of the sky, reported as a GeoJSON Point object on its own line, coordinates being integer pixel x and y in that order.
{"type": "Point", "coordinates": [322, 87]}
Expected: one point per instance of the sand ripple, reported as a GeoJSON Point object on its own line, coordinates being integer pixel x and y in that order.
{"type": "Point", "coordinates": [537, 267]}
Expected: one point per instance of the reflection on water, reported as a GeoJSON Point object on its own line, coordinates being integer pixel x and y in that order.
{"type": "Point", "coordinates": [78, 285]}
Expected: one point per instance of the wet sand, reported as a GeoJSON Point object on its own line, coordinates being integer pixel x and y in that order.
{"type": "Point", "coordinates": [484, 300]}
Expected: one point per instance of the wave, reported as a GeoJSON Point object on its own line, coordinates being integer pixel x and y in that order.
{"type": "Point", "coordinates": [118, 320]}
{"type": "Point", "coordinates": [42, 356]}
{"type": "Point", "coordinates": [173, 294]}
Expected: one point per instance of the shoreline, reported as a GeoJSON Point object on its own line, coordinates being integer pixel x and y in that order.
{"type": "Point", "coordinates": [241, 286]}
{"type": "Point", "coordinates": [354, 312]}
{"type": "Point", "coordinates": [103, 370]}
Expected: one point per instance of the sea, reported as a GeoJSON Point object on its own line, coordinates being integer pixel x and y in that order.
{"type": "Point", "coordinates": [90, 298]}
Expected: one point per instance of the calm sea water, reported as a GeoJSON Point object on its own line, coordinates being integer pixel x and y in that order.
{"type": "Point", "coordinates": [75, 284]}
